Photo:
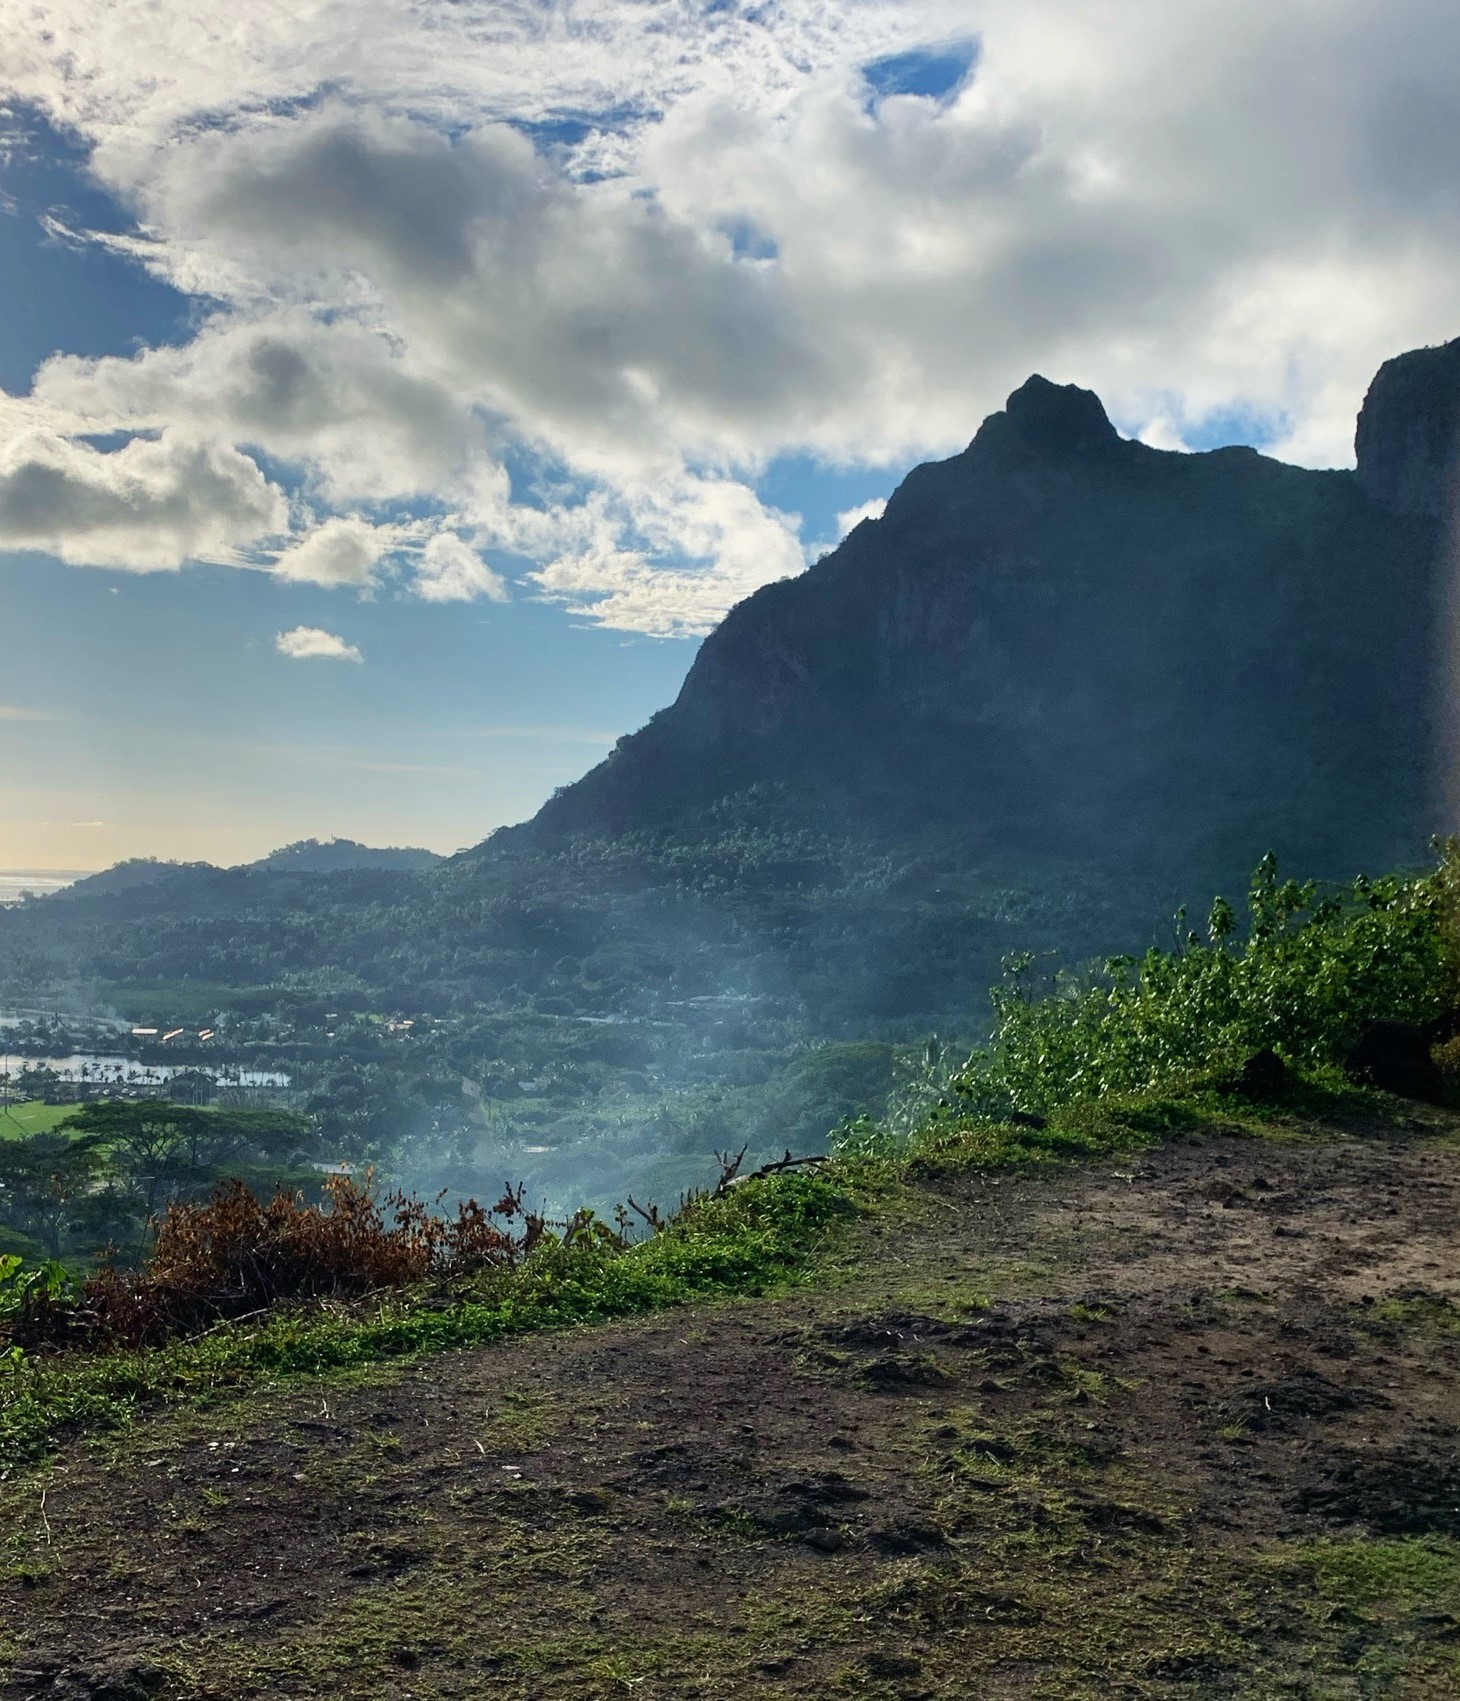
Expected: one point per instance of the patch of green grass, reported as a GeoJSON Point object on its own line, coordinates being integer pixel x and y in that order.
{"type": "Point", "coordinates": [1394, 1604]}
{"type": "Point", "coordinates": [1402, 1574]}
{"type": "Point", "coordinates": [1430, 1313]}
{"type": "Point", "coordinates": [949, 1141]}
{"type": "Point", "coordinates": [519, 1421]}
{"type": "Point", "coordinates": [32, 1117]}
{"type": "Point", "coordinates": [1083, 1611]}
{"type": "Point", "coordinates": [405, 1630]}
{"type": "Point", "coordinates": [1047, 1603]}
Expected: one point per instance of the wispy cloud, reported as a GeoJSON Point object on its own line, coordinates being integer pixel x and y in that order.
{"type": "Point", "coordinates": [450, 570]}
{"type": "Point", "coordinates": [11, 712]}
{"type": "Point", "coordinates": [313, 643]}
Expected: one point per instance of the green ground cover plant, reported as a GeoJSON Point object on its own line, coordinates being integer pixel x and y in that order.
{"type": "Point", "coordinates": [1313, 966]}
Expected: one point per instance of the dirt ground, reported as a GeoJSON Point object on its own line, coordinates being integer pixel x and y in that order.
{"type": "Point", "coordinates": [1185, 1424]}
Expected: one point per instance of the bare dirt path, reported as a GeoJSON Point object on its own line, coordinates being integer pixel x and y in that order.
{"type": "Point", "coordinates": [1181, 1425]}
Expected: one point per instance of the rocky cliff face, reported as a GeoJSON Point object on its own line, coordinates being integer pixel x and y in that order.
{"type": "Point", "coordinates": [1408, 438]}
{"type": "Point", "coordinates": [1065, 641]}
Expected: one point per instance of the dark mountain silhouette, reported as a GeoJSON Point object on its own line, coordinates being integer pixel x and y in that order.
{"type": "Point", "coordinates": [329, 856]}
{"type": "Point", "coordinates": [128, 876]}
{"type": "Point", "coordinates": [1066, 683]}
{"type": "Point", "coordinates": [305, 856]}
{"type": "Point", "coordinates": [1064, 641]}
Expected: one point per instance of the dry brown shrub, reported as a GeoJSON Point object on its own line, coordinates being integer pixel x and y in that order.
{"type": "Point", "coordinates": [234, 1255]}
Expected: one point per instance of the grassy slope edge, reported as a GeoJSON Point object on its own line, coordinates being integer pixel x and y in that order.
{"type": "Point", "coordinates": [1048, 1433]}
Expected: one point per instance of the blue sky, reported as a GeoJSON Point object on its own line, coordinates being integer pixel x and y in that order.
{"type": "Point", "coordinates": [390, 398]}
{"type": "Point", "coordinates": [155, 714]}
{"type": "Point", "coordinates": [159, 717]}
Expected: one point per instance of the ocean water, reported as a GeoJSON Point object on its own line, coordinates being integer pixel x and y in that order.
{"type": "Point", "coordinates": [16, 881]}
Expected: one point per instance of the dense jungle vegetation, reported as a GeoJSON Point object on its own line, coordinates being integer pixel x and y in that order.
{"type": "Point", "coordinates": [591, 1020]}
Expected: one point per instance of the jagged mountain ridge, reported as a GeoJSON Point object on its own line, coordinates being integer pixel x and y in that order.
{"type": "Point", "coordinates": [1068, 641]}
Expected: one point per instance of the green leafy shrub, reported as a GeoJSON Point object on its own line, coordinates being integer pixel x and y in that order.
{"type": "Point", "coordinates": [1311, 969]}
{"type": "Point", "coordinates": [37, 1303]}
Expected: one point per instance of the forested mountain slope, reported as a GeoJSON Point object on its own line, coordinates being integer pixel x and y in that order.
{"type": "Point", "coordinates": [1064, 642]}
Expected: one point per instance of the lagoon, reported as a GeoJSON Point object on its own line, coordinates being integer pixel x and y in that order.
{"type": "Point", "coordinates": [90, 1066]}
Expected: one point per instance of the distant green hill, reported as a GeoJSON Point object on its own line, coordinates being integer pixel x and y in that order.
{"type": "Point", "coordinates": [129, 875]}
{"type": "Point", "coordinates": [305, 856]}
{"type": "Point", "coordinates": [329, 856]}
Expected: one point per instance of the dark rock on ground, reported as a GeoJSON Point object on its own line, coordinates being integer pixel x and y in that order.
{"type": "Point", "coordinates": [1395, 1056]}
{"type": "Point", "coordinates": [1263, 1076]}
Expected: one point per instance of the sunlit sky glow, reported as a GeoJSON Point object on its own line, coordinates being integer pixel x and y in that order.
{"type": "Point", "coordinates": [393, 393]}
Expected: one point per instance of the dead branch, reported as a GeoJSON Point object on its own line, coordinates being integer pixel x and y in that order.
{"type": "Point", "coordinates": [729, 1169]}
{"type": "Point", "coordinates": [779, 1167]}
{"type": "Point", "coordinates": [650, 1213]}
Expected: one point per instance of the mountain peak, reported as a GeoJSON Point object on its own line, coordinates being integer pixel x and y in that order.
{"type": "Point", "coordinates": [1408, 439]}
{"type": "Point", "coordinates": [1062, 641]}
{"type": "Point", "coordinates": [1060, 417]}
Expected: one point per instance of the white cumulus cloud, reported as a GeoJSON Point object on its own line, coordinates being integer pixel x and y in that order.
{"type": "Point", "coordinates": [611, 569]}
{"type": "Point", "coordinates": [450, 570]}
{"type": "Point", "coordinates": [419, 279]}
{"type": "Point", "coordinates": [149, 505]}
{"type": "Point", "coordinates": [343, 551]}
{"type": "Point", "coordinates": [334, 395]}
{"type": "Point", "coordinates": [312, 643]}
